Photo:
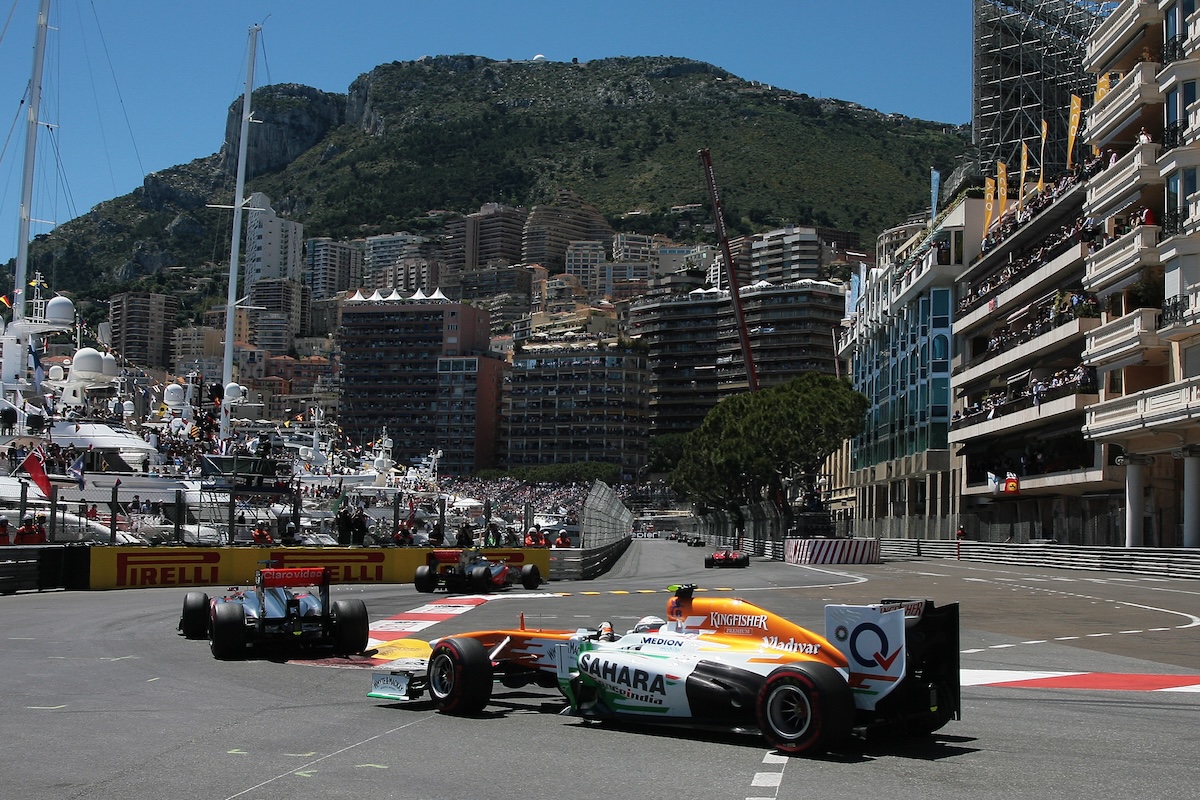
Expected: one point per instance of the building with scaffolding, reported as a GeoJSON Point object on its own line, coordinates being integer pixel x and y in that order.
{"type": "Point", "coordinates": [1027, 63]}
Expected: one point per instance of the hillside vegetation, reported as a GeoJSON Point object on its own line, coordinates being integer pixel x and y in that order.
{"type": "Point", "coordinates": [450, 133]}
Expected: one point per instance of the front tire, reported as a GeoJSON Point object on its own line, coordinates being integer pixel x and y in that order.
{"type": "Point", "coordinates": [805, 708]}
{"type": "Point", "coordinates": [227, 635]}
{"type": "Point", "coordinates": [350, 629]}
{"type": "Point", "coordinates": [460, 676]}
{"type": "Point", "coordinates": [531, 576]}
{"type": "Point", "coordinates": [194, 620]}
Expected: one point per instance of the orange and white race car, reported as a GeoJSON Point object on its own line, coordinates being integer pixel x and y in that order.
{"type": "Point", "coordinates": [719, 662]}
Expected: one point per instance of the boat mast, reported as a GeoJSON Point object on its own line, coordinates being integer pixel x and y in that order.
{"type": "Point", "coordinates": [31, 131]}
{"type": "Point", "coordinates": [235, 246]}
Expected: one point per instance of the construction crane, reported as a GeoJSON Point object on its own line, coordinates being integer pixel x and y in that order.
{"type": "Point", "coordinates": [734, 294]}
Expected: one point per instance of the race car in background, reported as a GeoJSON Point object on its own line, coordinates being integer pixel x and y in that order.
{"type": "Point", "coordinates": [718, 662]}
{"type": "Point", "coordinates": [288, 606]}
{"type": "Point", "coordinates": [469, 570]}
{"type": "Point", "coordinates": [727, 558]}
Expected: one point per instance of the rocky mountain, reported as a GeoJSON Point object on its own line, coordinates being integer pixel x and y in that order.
{"type": "Point", "coordinates": [450, 133]}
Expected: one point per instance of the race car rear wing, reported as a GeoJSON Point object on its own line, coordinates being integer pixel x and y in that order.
{"type": "Point", "coordinates": [288, 577]}
{"type": "Point", "coordinates": [903, 659]}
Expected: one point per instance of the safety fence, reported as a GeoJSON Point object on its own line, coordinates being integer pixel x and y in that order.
{"type": "Point", "coordinates": [604, 519]}
{"type": "Point", "coordinates": [1163, 562]}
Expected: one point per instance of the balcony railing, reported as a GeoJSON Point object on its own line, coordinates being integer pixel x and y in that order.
{"type": "Point", "coordinates": [1174, 309]}
{"type": "Point", "coordinates": [1173, 49]}
{"type": "Point", "coordinates": [1173, 135]}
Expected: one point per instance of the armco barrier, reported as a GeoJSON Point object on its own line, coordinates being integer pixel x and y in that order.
{"type": "Point", "coordinates": [576, 564]}
{"type": "Point", "coordinates": [1159, 561]}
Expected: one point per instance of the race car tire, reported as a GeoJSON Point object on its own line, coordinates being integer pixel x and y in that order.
{"type": "Point", "coordinates": [425, 579]}
{"type": "Point", "coordinates": [194, 620]}
{"type": "Point", "coordinates": [481, 579]}
{"type": "Point", "coordinates": [350, 629]}
{"type": "Point", "coordinates": [805, 708]}
{"type": "Point", "coordinates": [227, 634]}
{"type": "Point", "coordinates": [531, 576]}
{"type": "Point", "coordinates": [708, 562]}
{"type": "Point", "coordinates": [460, 676]}
{"type": "Point", "coordinates": [744, 561]}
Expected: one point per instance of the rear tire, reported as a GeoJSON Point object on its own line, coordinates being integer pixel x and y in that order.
{"type": "Point", "coordinates": [531, 576]}
{"type": "Point", "coordinates": [805, 708]}
{"type": "Point", "coordinates": [481, 579]}
{"type": "Point", "coordinates": [227, 635]}
{"type": "Point", "coordinates": [425, 580]}
{"type": "Point", "coordinates": [194, 620]}
{"type": "Point", "coordinates": [350, 629]}
{"type": "Point", "coordinates": [745, 561]}
{"type": "Point", "coordinates": [460, 676]}
{"type": "Point", "coordinates": [708, 562]}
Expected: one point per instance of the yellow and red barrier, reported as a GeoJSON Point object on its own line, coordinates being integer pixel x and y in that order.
{"type": "Point", "coordinates": [145, 567]}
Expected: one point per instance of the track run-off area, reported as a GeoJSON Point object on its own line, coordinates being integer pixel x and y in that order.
{"type": "Point", "coordinates": [1074, 684]}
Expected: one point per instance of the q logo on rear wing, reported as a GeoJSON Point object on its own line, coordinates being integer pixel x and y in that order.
{"type": "Point", "coordinates": [872, 640]}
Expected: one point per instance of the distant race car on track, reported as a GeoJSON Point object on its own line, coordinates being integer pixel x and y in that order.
{"type": "Point", "coordinates": [727, 558]}
{"type": "Point", "coordinates": [467, 570]}
{"type": "Point", "coordinates": [288, 606]}
{"type": "Point", "coordinates": [717, 662]}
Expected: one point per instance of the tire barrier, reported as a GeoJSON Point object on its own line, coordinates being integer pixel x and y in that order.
{"type": "Point", "coordinates": [831, 551]}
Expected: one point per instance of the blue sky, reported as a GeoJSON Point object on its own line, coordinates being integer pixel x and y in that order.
{"type": "Point", "coordinates": [135, 86]}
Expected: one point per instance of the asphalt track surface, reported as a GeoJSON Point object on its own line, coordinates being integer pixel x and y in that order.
{"type": "Point", "coordinates": [101, 698]}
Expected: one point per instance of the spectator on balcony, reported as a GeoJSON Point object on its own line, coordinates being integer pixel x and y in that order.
{"type": "Point", "coordinates": [1143, 137]}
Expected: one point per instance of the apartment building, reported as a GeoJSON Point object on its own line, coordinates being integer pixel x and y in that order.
{"type": "Point", "coordinates": [489, 237]}
{"type": "Point", "coordinates": [571, 402]}
{"type": "Point", "coordinates": [423, 370]}
{"type": "Point", "coordinates": [897, 339]}
{"type": "Point", "coordinates": [331, 266]}
{"type": "Point", "coordinates": [695, 352]}
{"type": "Point", "coordinates": [1146, 269]}
{"type": "Point", "coordinates": [551, 227]}
{"type": "Point", "coordinates": [143, 324]}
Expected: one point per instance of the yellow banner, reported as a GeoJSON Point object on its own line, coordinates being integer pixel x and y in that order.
{"type": "Point", "coordinates": [989, 203]}
{"type": "Point", "coordinates": [1073, 128]}
{"type": "Point", "coordinates": [1002, 187]}
{"type": "Point", "coordinates": [1042, 160]}
{"type": "Point", "coordinates": [1024, 169]}
{"type": "Point", "coordinates": [1103, 84]}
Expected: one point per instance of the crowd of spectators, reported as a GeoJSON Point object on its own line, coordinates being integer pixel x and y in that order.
{"type": "Point", "coordinates": [1064, 381]}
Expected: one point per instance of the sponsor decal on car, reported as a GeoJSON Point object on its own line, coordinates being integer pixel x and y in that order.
{"type": "Point", "coordinates": [662, 641]}
{"type": "Point", "coordinates": [635, 684]}
{"type": "Point", "coordinates": [722, 620]}
{"type": "Point", "coordinates": [791, 645]}
{"type": "Point", "coordinates": [181, 568]}
{"type": "Point", "coordinates": [350, 566]}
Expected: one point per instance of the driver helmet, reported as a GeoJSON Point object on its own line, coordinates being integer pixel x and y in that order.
{"type": "Point", "coordinates": [28, 518]}
{"type": "Point", "coordinates": [647, 624]}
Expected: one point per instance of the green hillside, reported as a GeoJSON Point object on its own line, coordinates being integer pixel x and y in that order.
{"type": "Point", "coordinates": [453, 132]}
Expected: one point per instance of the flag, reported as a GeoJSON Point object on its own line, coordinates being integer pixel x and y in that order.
{"type": "Point", "coordinates": [989, 203]}
{"type": "Point", "coordinates": [1002, 186]}
{"type": "Point", "coordinates": [1073, 128]}
{"type": "Point", "coordinates": [4, 299]}
{"type": "Point", "coordinates": [993, 483]}
{"type": "Point", "coordinates": [76, 472]}
{"type": "Point", "coordinates": [340, 500]}
{"type": "Point", "coordinates": [1012, 484]}
{"type": "Point", "coordinates": [38, 373]}
{"type": "Point", "coordinates": [35, 466]}
{"type": "Point", "coordinates": [1042, 160]}
{"type": "Point", "coordinates": [935, 180]}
